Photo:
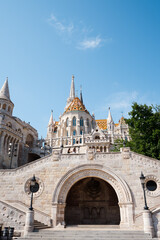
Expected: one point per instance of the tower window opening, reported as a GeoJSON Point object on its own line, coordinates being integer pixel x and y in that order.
{"type": "Point", "coordinates": [4, 106]}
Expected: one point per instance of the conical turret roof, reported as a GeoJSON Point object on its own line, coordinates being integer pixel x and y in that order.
{"type": "Point", "coordinates": [72, 90]}
{"type": "Point", "coordinates": [51, 119]}
{"type": "Point", "coordinates": [4, 92]}
{"type": "Point", "coordinates": [109, 119]}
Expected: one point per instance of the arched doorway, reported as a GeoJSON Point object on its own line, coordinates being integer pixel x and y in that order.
{"type": "Point", "coordinates": [78, 173]}
{"type": "Point", "coordinates": [92, 201]}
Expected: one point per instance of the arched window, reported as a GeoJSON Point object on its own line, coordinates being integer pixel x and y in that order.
{"type": "Point", "coordinates": [9, 109]}
{"type": "Point", "coordinates": [97, 137]}
{"type": "Point", "coordinates": [9, 124]}
{"type": "Point", "coordinates": [4, 106]}
{"type": "Point", "coordinates": [74, 121]}
{"type": "Point", "coordinates": [81, 122]}
{"type": "Point", "coordinates": [81, 132]}
{"type": "Point", "coordinates": [74, 132]}
{"type": "Point", "coordinates": [67, 122]}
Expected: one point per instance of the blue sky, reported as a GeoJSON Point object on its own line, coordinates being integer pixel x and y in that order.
{"type": "Point", "coordinates": [111, 46]}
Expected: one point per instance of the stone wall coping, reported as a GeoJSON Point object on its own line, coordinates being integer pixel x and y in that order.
{"type": "Point", "coordinates": [145, 157]}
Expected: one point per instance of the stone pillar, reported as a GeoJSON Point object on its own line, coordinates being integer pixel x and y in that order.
{"type": "Point", "coordinates": [54, 215]}
{"type": "Point", "coordinates": [85, 126]}
{"type": "Point", "coordinates": [29, 224]}
{"type": "Point", "coordinates": [126, 215]}
{"type": "Point", "coordinates": [60, 214]}
{"type": "Point", "coordinates": [69, 128]}
{"type": "Point", "coordinates": [148, 222]}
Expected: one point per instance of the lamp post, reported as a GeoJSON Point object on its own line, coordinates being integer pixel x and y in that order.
{"type": "Point", "coordinates": [29, 224]}
{"type": "Point", "coordinates": [12, 151]}
{"type": "Point", "coordinates": [142, 179]}
{"type": "Point", "coordinates": [34, 187]}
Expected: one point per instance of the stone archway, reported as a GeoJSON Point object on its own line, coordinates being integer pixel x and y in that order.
{"type": "Point", "coordinates": [97, 171]}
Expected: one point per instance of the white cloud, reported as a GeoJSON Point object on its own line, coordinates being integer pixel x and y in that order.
{"type": "Point", "coordinates": [59, 26]}
{"type": "Point", "coordinates": [90, 43]}
{"type": "Point", "coordinates": [79, 35]}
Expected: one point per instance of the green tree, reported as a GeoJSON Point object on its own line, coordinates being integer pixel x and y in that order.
{"type": "Point", "coordinates": [118, 143]}
{"type": "Point", "coordinates": [144, 129]}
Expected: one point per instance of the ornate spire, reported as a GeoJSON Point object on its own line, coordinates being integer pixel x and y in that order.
{"type": "Point", "coordinates": [81, 98]}
{"type": "Point", "coordinates": [72, 90]}
{"type": "Point", "coordinates": [4, 92]}
{"type": "Point", "coordinates": [109, 119]}
{"type": "Point", "coordinates": [72, 93]}
{"type": "Point", "coordinates": [51, 119]}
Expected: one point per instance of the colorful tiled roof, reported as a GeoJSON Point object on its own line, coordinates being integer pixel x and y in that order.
{"type": "Point", "coordinates": [102, 123]}
{"type": "Point", "coordinates": [76, 105]}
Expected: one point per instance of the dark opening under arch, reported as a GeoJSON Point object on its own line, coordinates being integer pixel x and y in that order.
{"type": "Point", "coordinates": [92, 201]}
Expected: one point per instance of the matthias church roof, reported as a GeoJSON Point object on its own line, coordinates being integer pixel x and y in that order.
{"type": "Point", "coordinates": [76, 105]}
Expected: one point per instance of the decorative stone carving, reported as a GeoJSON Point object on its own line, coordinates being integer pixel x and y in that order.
{"type": "Point", "coordinates": [90, 154]}
{"type": "Point", "coordinates": [27, 187]}
{"type": "Point", "coordinates": [157, 191]}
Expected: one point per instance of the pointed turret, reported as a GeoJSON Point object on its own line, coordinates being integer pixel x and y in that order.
{"type": "Point", "coordinates": [51, 119]}
{"type": "Point", "coordinates": [4, 92]}
{"type": "Point", "coordinates": [81, 97]}
{"type": "Point", "coordinates": [72, 93]}
{"type": "Point", "coordinates": [72, 90]}
{"type": "Point", "coordinates": [110, 123]}
{"type": "Point", "coordinates": [5, 101]}
{"type": "Point", "coordinates": [109, 119]}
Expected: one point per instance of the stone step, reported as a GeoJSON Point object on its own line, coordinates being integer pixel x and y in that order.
{"type": "Point", "coordinates": [86, 235]}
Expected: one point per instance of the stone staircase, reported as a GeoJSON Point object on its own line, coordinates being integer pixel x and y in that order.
{"type": "Point", "coordinates": [86, 234]}
{"type": "Point", "coordinates": [38, 225]}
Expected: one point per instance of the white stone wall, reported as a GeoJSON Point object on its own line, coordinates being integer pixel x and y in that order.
{"type": "Point", "coordinates": [126, 165]}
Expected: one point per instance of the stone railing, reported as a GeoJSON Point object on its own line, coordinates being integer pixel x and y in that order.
{"type": "Point", "coordinates": [38, 215]}
{"type": "Point", "coordinates": [10, 216]}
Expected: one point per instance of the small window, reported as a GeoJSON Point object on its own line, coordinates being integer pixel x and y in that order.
{"type": "Point", "coordinates": [81, 132]}
{"type": "Point", "coordinates": [151, 185]}
{"type": "Point", "coordinates": [67, 133]}
{"type": "Point", "coordinates": [74, 132]}
{"type": "Point", "coordinates": [74, 141]}
{"type": "Point", "coordinates": [9, 109]}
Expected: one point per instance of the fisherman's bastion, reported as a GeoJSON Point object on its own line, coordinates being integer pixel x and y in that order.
{"type": "Point", "coordinates": [81, 185]}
